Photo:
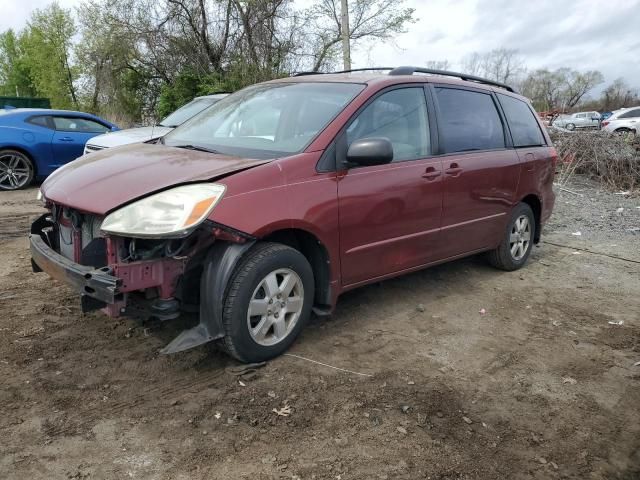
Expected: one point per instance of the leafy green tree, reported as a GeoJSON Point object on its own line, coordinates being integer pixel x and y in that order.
{"type": "Point", "coordinates": [47, 43]}
{"type": "Point", "coordinates": [15, 78]}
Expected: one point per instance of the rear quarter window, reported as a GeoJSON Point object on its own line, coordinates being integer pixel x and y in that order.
{"type": "Point", "coordinates": [468, 121]}
{"type": "Point", "coordinates": [78, 124]}
{"type": "Point", "coordinates": [524, 127]}
{"type": "Point", "coordinates": [631, 114]}
{"type": "Point", "coordinates": [41, 121]}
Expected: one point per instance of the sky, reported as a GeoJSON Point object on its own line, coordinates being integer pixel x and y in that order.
{"type": "Point", "coordinates": [583, 35]}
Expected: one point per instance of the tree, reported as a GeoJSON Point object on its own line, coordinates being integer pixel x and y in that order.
{"type": "Point", "coordinates": [15, 77]}
{"type": "Point", "coordinates": [368, 19]}
{"type": "Point", "coordinates": [438, 64]}
{"type": "Point", "coordinates": [47, 43]}
{"type": "Point", "coordinates": [111, 83]}
{"type": "Point", "coordinates": [560, 89]}
{"type": "Point", "coordinates": [544, 88]}
{"type": "Point", "coordinates": [502, 65]}
{"type": "Point", "coordinates": [618, 95]}
{"type": "Point", "coordinates": [578, 84]}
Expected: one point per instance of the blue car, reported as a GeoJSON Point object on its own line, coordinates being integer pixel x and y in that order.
{"type": "Point", "coordinates": [34, 142]}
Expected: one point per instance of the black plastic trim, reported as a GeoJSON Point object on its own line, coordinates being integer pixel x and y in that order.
{"type": "Point", "coordinates": [98, 284]}
{"type": "Point", "coordinates": [446, 73]}
{"type": "Point", "coordinates": [218, 268]}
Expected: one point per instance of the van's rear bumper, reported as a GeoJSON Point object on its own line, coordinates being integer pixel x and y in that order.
{"type": "Point", "coordinates": [98, 284]}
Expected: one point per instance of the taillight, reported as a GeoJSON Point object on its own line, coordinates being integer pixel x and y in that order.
{"type": "Point", "coordinates": [605, 123]}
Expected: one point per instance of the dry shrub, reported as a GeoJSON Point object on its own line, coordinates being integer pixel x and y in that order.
{"type": "Point", "coordinates": [610, 158]}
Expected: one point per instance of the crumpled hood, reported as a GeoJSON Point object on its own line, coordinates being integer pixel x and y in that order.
{"type": "Point", "coordinates": [104, 180]}
{"type": "Point", "coordinates": [128, 136]}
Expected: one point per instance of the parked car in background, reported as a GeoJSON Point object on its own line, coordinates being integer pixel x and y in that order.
{"type": "Point", "coordinates": [286, 194]}
{"type": "Point", "coordinates": [625, 120]}
{"type": "Point", "coordinates": [578, 120]}
{"type": "Point", "coordinates": [144, 134]}
{"type": "Point", "coordinates": [34, 142]}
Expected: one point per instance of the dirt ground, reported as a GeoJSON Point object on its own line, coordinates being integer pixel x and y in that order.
{"type": "Point", "coordinates": [543, 385]}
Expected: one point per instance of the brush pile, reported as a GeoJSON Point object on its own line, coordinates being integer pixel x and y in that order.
{"type": "Point", "coordinates": [612, 159]}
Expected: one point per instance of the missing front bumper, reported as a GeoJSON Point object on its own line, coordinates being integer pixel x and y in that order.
{"type": "Point", "coordinates": [97, 284]}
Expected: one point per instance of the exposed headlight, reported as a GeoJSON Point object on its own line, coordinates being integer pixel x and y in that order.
{"type": "Point", "coordinates": [172, 213]}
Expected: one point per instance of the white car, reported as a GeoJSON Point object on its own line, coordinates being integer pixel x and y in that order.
{"type": "Point", "coordinates": [578, 120]}
{"type": "Point", "coordinates": [144, 134]}
{"type": "Point", "coordinates": [625, 120]}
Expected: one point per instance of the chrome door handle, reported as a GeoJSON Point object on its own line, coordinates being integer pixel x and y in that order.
{"type": "Point", "coordinates": [66, 139]}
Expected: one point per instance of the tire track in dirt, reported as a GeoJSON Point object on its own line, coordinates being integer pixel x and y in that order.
{"type": "Point", "coordinates": [13, 226]}
{"type": "Point", "coordinates": [86, 418]}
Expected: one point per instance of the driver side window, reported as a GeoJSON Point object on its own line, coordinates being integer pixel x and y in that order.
{"type": "Point", "coordinates": [400, 116]}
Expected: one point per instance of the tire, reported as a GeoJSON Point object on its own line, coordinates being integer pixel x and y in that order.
{"type": "Point", "coordinates": [523, 226]}
{"type": "Point", "coordinates": [16, 170]}
{"type": "Point", "coordinates": [252, 300]}
{"type": "Point", "coordinates": [623, 131]}
{"type": "Point", "coordinates": [570, 126]}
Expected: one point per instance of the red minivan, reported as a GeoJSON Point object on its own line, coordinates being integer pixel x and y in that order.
{"type": "Point", "coordinates": [281, 196]}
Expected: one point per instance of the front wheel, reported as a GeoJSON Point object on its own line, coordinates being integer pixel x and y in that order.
{"type": "Point", "coordinates": [514, 250]}
{"type": "Point", "coordinates": [268, 302]}
{"type": "Point", "coordinates": [570, 126]}
{"type": "Point", "coordinates": [16, 170]}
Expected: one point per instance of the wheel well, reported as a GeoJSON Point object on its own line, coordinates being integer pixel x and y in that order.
{"type": "Point", "coordinates": [25, 153]}
{"type": "Point", "coordinates": [534, 202]}
{"type": "Point", "coordinates": [315, 253]}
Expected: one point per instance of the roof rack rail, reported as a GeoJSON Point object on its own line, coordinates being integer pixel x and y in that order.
{"type": "Point", "coordinates": [302, 74]}
{"type": "Point", "coordinates": [446, 73]}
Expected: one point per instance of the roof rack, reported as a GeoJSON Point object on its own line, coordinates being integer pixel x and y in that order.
{"type": "Point", "coordinates": [411, 70]}
{"type": "Point", "coordinates": [302, 74]}
{"type": "Point", "coordinates": [446, 73]}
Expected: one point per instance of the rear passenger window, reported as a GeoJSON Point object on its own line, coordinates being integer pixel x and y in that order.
{"type": "Point", "coordinates": [400, 116]}
{"type": "Point", "coordinates": [525, 129]}
{"type": "Point", "coordinates": [468, 121]}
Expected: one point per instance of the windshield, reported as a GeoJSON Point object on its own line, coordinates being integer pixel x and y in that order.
{"type": "Point", "coordinates": [266, 120]}
{"type": "Point", "coordinates": [187, 111]}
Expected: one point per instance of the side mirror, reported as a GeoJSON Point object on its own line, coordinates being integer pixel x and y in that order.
{"type": "Point", "coordinates": [370, 151]}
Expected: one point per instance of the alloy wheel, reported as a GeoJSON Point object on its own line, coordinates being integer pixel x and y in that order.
{"type": "Point", "coordinates": [15, 171]}
{"type": "Point", "coordinates": [275, 307]}
{"type": "Point", "coordinates": [520, 237]}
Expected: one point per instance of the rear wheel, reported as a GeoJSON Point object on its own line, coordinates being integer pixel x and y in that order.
{"type": "Point", "coordinates": [268, 302]}
{"type": "Point", "coordinates": [516, 245]}
{"type": "Point", "coordinates": [16, 170]}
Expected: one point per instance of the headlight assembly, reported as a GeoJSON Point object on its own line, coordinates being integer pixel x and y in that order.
{"type": "Point", "coordinates": [173, 213]}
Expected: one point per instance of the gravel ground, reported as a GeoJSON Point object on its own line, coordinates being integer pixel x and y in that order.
{"type": "Point", "coordinates": [595, 211]}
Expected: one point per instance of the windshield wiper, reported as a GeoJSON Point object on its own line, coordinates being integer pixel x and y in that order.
{"type": "Point", "coordinates": [196, 147]}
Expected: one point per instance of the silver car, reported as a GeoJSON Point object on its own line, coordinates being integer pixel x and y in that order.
{"type": "Point", "coordinates": [144, 134]}
{"type": "Point", "coordinates": [625, 120]}
{"type": "Point", "coordinates": [578, 120]}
